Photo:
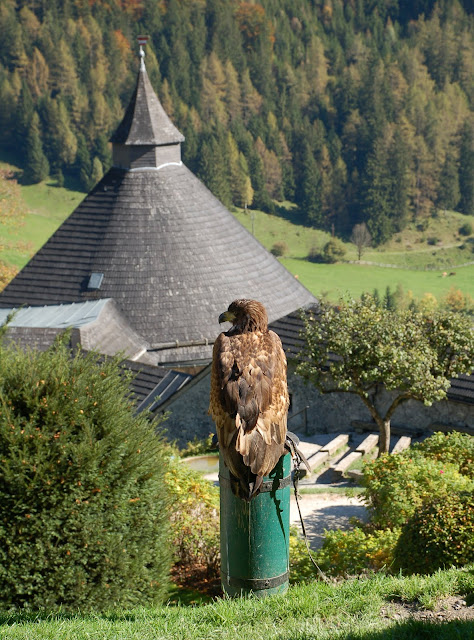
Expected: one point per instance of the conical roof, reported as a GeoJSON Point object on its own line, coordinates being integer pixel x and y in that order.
{"type": "Point", "coordinates": [164, 248]}
{"type": "Point", "coordinates": [145, 121]}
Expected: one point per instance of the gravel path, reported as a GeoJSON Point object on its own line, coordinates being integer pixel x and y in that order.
{"type": "Point", "coordinates": [325, 511]}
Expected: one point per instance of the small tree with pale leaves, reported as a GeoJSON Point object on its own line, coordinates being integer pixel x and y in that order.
{"type": "Point", "coordinates": [360, 348]}
{"type": "Point", "coordinates": [361, 238]}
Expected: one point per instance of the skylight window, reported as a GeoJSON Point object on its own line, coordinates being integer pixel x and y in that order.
{"type": "Point", "coordinates": [95, 280]}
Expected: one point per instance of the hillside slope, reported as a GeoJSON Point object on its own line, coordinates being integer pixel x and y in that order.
{"type": "Point", "coordinates": [355, 111]}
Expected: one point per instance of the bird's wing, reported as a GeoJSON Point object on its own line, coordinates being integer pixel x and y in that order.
{"type": "Point", "coordinates": [222, 363]}
{"type": "Point", "coordinates": [262, 447]}
{"type": "Point", "coordinates": [249, 399]}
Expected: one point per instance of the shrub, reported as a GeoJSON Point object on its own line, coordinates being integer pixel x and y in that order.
{"type": "Point", "coordinates": [199, 446]}
{"type": "Point", "coordinates": [333, 251]}
{"type": "Point", "coordinates": [315, 255]}
{"type": "Point", "coordinates": [195, 518]}
{"type": "Point", "coordinates": [440, 534]}
{"type": "Point", "coordinates": [432, 240]}
{"type": "Point", "coordinates": [397, 485]}
{"type": "Point", "coordinates": [454, 447]}
{"type": "Point", "coordinates": [279, 249]}
{"type": "Point", "coordinates": [423, 225]}
{"type": "Point", "coordinates": [83, 508]}
{"type": "Point", "coordinates": [301, 567]}
{"type": "Point", "coordinates": [465, 229]}
{"type": "Point", "coordinates": [353, 552]}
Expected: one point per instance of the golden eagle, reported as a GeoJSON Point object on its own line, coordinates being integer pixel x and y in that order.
{"type": "Point", "coordinates": [249, 396]}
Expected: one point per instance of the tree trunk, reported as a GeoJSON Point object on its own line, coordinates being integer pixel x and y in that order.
{"type": "Point", "coordinates": [384, 438]}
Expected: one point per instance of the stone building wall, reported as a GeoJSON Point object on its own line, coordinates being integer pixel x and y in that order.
{"type": "Point", "coordinates": [187, 412]}
{"type": "Point", "coordinates": [335, 411]}
{"type": "Point", "coordinates": [328, 413]}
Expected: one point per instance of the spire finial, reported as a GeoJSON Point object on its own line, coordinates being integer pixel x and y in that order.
{"type": "Point", "coordinates": [142, 40]}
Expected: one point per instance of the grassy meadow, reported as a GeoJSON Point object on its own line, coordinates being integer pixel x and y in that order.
{"type": "Point", "coordinates": [415, 264]}
{"type": "Point", "coordinates": [336, 280]}
{"type": "Point", "coordinates": [39, 210]}
{"type": "Point", "coordinates": [419, 256]}
{"type": "Point", "coordinates": [379, 608]}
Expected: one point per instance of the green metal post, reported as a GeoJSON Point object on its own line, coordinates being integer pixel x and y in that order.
{"type": "Point", "coordinates": [255, 534]}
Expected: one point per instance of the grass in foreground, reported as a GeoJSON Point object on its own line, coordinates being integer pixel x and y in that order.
{"type": "Point", "coordinates": [359, 609]}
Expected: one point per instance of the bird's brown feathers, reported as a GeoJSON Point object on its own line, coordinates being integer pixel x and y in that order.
{"type": "Point", "coordinates": [249, 399]}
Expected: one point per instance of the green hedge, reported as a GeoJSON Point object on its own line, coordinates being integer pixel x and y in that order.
{"type": "Point", "coordinates": [421, 505]}
{"type": "Point", "coordinates": [439, 535]}
{"type": "Point", "coordinates": [397, 485]}
{"type": "Point", "coordinates": [83, 508]}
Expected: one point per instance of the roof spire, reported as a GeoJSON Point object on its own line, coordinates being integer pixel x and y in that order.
{"type": "Point", "coordinates": [142, 40]}
{"type": "Point", "coordinates": [145, 127]}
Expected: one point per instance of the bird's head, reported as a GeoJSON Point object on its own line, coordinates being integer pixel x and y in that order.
{"type": "Point", "coordinates": [246, 316]}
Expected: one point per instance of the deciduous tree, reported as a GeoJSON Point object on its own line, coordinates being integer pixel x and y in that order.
{"type": "Point", "coordinates": [361, 238]}
{"type": "Point", "coordinates": [360, 348]}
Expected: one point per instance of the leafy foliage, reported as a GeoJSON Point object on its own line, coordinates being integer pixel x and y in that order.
{"type": "Point", "coordinates": [195, 517]}
{"type": "Point", "coordinates": [301, 567]}
{"type": "Point", "coordinates": [83, 509]}
{"type": "Point", "coordinates": [333, 251]}
{"type": "Point", "coordinates": [421, 512]}
{"type": "Point", "coordinates": [198, 446]}
{"type": "Point", "coordinates": [454, 447]}
{"type": "Point", "coordinates": [357, 551]}
{"type": "Point", "coordinates": [361, 348]}
{"type": "Point", "coordinates": [465, 229]}
{"type": "Point", "coordinates": [397, 485]}
{"type": "Point", "coordinates": [440, 534]}
{"type": "Point", "coordinates": [279, 249]}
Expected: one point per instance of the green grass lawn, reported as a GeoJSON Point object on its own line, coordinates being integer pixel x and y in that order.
{"type": "Point", "coordinates": [359, 609]}
{"type": "Point", "coordinates": [335, 280]}
{"type": "Point", "coordinates": [411, 248]}
{"type": "Point", "coordinates": [42, 208]}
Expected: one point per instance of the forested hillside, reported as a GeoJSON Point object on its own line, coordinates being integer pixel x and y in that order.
{"type": "Point", "coordinates": [356, 111]}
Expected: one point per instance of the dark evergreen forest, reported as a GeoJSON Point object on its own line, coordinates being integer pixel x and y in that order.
{"type": "Point", "coordinates": [357, 111]}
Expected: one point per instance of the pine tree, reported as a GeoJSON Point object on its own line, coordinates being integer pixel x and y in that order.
{"type": "Point", "coordinates": [23, 117]}
{"type": "Point", "coordinates": [97, 171]}
{"type": "Point", "coordinates": [83, 163]}
{"type": "Point", "coordinates": [398, 170]}
{"type": "Point", "coordinates": [213, 169]}
{"type": "Point", "coordinates": [448, 185]}
{"type": "Point", "coordinates": [8, 101]}
{"type": "Point", "coordinates": [261, 199]}
{"type": "Point", "coordinates": [375, 195]}
{"type": "Point", "coordinates": [376, 297]}
{"type": "Point", "coordinates": [36, 164]}
{"type": "Point", "coordinates": [389, 301]}
{"type": "Point", "coordinates": [466, 169]}
{"type": "Point", "coordinates": [238, 177]}
{"type": "Point", "coordinates": [311, 190]}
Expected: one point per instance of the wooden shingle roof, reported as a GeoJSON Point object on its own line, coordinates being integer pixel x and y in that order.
{"type": "Point", "coordinates": [145, 121]}
{"type": "Point", "coordinates": [156, 241]}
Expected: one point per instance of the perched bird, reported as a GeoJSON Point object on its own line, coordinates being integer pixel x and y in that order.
{"type": "Point", "coordinates": [249, 396]}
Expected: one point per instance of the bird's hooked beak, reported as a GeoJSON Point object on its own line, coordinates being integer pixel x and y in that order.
{"type": "Point", "coordinates": [227, 316]}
